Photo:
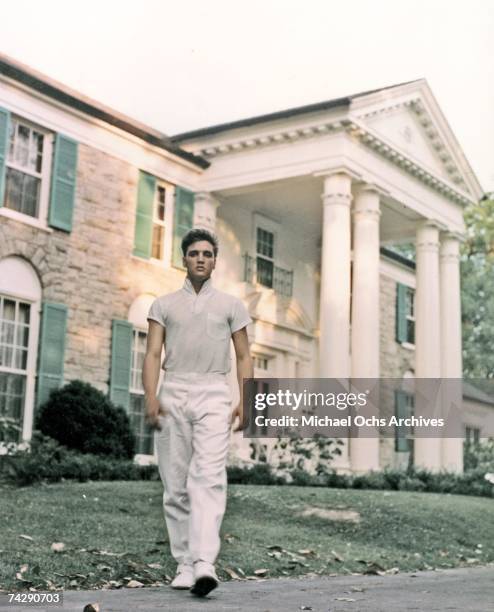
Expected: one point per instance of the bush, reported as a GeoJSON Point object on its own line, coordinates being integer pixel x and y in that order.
{"type": "Point", "coordinates": [472, 482]}
{"type": "Point", "coordinates": [258, 474]}
{"type": "Point", "coordinates": [480, 455]}
{"type": "Point", "coordinates": [48, 461]}
{"type": "Point", "coordinates": [82, 418]}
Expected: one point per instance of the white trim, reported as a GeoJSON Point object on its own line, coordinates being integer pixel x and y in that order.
{"type": "Point", "coordinates": [95, 133]}
{"type": "Point", "coordinates": [397, 272]}
{"type": "Point", "coordinates": [21, 218]}
{"type": "Point", "coordinates": [41, 220]}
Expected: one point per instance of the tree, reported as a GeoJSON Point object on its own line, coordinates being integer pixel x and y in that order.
{"type": "Point", "coordinates": [477, 278]}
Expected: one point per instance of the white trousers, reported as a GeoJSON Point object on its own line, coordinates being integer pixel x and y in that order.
{"type": "Point", "coordinates": [192, 447]}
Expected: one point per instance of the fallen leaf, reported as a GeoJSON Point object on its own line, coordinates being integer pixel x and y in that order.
{"type": "Point", "coordinates": [336, 556]}
{"type": "Point", "coordinates": [26, 537]}
{"type": "Point", "coordinates": [134, 584]}
{"type": "Point", "coordinates": [393, 570]}
{"type": "Point", "coordinates": [344, 599]}
{"type": "Point", "coordinates": [307, 552]}
{"type": "Point", "coordinates": [261, 572]}
{"type": "Point", "coordinates": [305, 608]}
{"type": "Point", "coordinates": [232, 573]}
{"type": "Point", "coordinates": [58, 547]}
{"type": "Point", "coordinates": [155, 565]}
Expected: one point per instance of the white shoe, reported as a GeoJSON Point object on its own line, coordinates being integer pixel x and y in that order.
{"type": "Point", "coordinates": [205, 578]}
{"type": "Point", "coordinates": [184, 578]}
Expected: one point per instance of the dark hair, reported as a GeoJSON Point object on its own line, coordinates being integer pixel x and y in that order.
{"type": "Point", "coordinates": [195, 235]}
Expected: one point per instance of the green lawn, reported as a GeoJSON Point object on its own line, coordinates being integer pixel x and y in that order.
{"type": "Point", "coordinates": [114, 531]}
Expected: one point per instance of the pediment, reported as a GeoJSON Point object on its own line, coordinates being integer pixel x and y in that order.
{"type": "Point", "coordinates": [411, 129]}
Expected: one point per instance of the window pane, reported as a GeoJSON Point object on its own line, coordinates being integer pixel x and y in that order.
{"type": "Point", "coordinates": [143, 433]}
{"type": "Point", "coordinates": [264, 272]}
{"type": "Point", "coordinates": [30, 195]}
{"type": "Point", "coordinates": [20, 359]}
{"type": "Point", "coordinates": [8, 310]}
{"type": "Point", "coordinates": [13, 189]}
{"type": "Point", "coordinates": [12, 395]}
{"type": "Point", "coordinates": [24, 312]}
{"type": "Point", "coordinates": [7, 333]}
{"type": "Point", "coordinates": [22, 335]}
{"type": "Point", "coordinates": [36, 152]}
{"type": "Point", "coordinates": [156, 249]}
{"type": "Point", "coordinates": [22, 192]}
{"type": "Point", "coordinates": [411, 331]}
{"type": "Point", "coordinates": [22, 145]}
{"type": "Point", "coordinates": [160, 204]}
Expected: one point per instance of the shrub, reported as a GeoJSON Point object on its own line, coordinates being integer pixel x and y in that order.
{"type": "Point", "coordinates": [258, 474]}
{"type": "Point", "coordinates": [82, 418]}
{"type": "Point", "coordinates": [48, 461]}
{"type": "Point", "coordinates": [479, 455]}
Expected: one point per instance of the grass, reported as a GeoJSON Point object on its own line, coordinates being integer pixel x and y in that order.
{"type": "Point", "coordinates": [114, 532]}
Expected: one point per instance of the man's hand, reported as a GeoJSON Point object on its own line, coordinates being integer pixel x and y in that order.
{"type": "Point", "coordinates": [153, 412]}
{"type": "Point", "coordinates": [238, 413]}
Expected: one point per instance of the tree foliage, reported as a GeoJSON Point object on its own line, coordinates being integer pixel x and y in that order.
{"type": "Point", "coordinates": [477, 277]}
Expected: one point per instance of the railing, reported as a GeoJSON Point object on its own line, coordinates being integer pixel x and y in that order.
{"type": "Point", "coordinates": [262, 271]}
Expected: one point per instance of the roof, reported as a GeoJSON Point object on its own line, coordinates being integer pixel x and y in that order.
{"type": "Point", "coordinates": [283, 114]}
{"type": "Point", "coordinates": [62, 93]}
{"type": "Point", "coordinates": [390, 254]}
{"type": "Point", "coordinates": [474, 393]}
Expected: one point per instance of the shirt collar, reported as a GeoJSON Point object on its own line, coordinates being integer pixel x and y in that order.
{"type": "Point", "coordinates": [207, 286]}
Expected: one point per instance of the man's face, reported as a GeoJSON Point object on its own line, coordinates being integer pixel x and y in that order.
{"type": "Point", "coordinates": [200, 260]}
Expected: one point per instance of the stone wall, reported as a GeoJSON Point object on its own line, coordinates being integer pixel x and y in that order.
{"type": "Point", "coordinates": [395, 360]}
{"type": "Point", "coordinates": [91, 269]}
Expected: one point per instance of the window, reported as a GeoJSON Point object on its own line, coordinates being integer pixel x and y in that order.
{"type": "Point", "coordinates": [260, 362]}
{"type": "Point", "coordinates": [472, 436]}
{"type": "Point", "coordinates": [143, 433]}
{"type": "Point", "coordinates": [27, 168]}
{"type": "Point", "coordinates": [265, 257]}
{"type": "Point", "coordinates": [404, 407]}
{"type": "Point", "coordinates": [159, 208]}
{"type": "Point", "coordinates": [405, 314]}
{"type": "Point", "coordinates": [14, 342]}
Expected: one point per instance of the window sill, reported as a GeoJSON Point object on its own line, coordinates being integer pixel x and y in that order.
{"type": "Point", "coordinates": [17, 216]}
{"type": "Point", "coordinates": [408, 345]}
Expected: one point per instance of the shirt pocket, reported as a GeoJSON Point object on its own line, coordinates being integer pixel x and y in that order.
{"type": "Point", "coordinates": [216, 327]}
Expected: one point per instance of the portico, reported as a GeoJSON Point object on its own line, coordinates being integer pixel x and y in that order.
{"type": "Point", "coordinates": [332, 184]}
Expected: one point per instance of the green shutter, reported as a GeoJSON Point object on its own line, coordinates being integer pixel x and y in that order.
{"type": "Point", "coordinates": [144, 215]}
{"type": "Point", "coordinates": [402, 410]}
{"type": "Point", "coordinates": [51, 349]}
{"type": "Point", "coordinates": [183, 221]}
{"type": "Point", "coordinates": [121, 356]}
{"type": "Point", "coordinates": [4, 144]}
{"type": "Point", "coordinates": [401, 313]}
{"type": "Point", "coordinates": [63, 183]}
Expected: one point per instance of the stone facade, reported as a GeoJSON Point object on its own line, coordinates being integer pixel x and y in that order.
{"type": "Point", "coordinates": [395, 360]}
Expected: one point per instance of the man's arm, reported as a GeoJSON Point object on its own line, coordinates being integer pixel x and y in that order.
{"type": "Point", "coordinates": [151, 371]}
{"type": "Point", "coordinates": [244, 370]}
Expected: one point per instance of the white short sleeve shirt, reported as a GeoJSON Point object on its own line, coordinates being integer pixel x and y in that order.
{"type": "Point", "coordinates": [198, 327]}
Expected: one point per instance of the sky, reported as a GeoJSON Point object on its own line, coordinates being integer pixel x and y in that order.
{"type": "Point", "coordinates": [181, 65]}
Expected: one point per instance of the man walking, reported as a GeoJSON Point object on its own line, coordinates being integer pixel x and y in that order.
{"type": "Point", "coordinates": [192, 412]}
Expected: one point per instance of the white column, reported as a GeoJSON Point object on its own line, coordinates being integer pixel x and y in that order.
{"type": "Point", "coordinates": [205, 207]}
{"type": "Point", "coordinates": [334, 305]}
{"type": "Point", "coordinates": [364, 452]}
{"type": "Point", "coordinates": [451, 358]}
{"type": "Point", "coordinates": [427, 451]}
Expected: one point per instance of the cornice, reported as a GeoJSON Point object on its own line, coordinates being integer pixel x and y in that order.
{"type": "Point", "coordinates": [363, 134]}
